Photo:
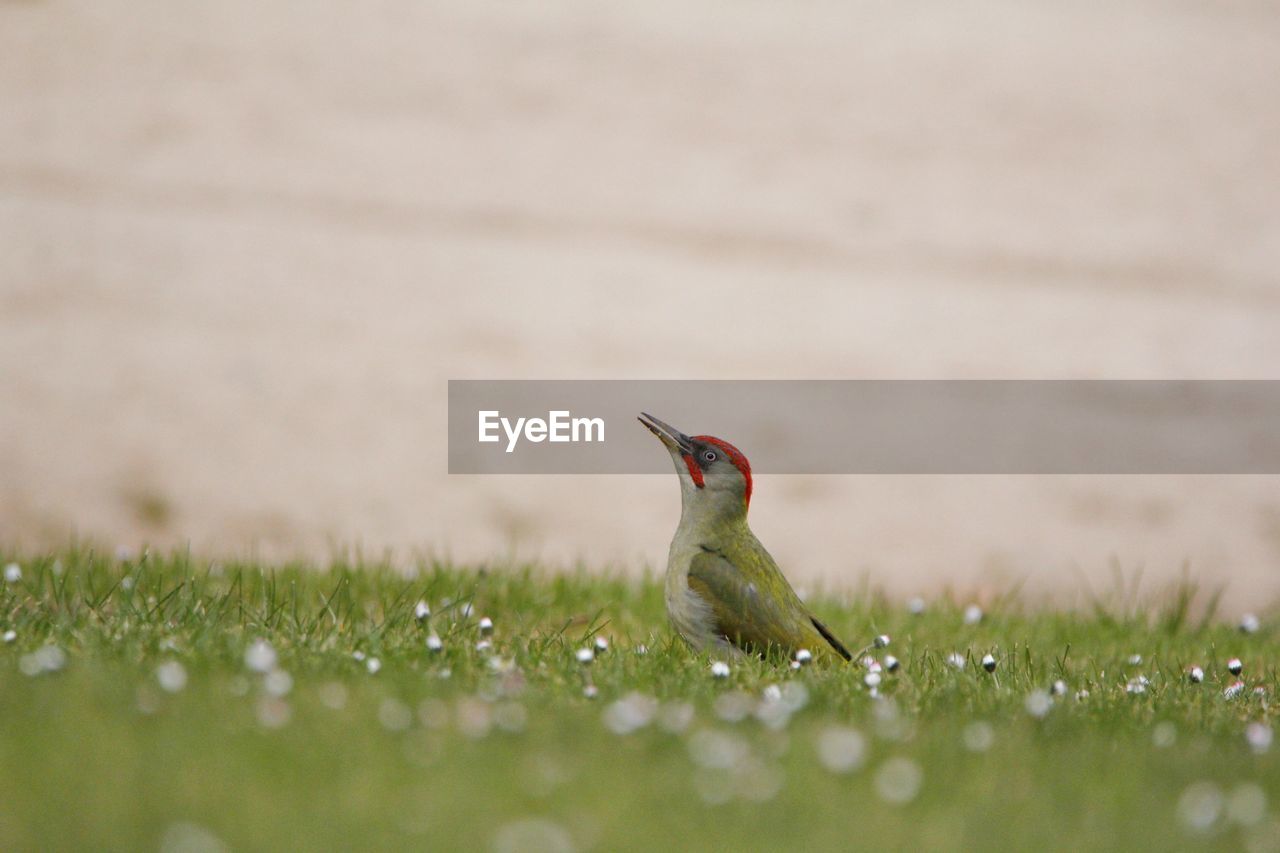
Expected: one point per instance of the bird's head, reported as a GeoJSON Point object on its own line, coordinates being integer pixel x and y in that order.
{"type": "Point", "coordinates": [713, 473]}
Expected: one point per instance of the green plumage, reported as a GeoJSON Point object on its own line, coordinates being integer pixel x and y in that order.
{"type": "Point", "coordinates": [752, 604]}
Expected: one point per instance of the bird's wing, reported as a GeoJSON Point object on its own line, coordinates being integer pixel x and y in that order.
{"type": "Point", "coordinates": [752, 618]}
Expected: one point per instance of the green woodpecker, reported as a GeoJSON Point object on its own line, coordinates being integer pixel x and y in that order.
{"type": "Point", "coordinates": [724, 592]}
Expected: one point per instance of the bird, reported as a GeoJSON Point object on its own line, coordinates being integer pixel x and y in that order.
{"type": "Point", "coordinates": [723, 590]}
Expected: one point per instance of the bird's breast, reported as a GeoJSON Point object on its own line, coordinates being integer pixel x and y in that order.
{"type": "Point", "coordinates": [691, 616]}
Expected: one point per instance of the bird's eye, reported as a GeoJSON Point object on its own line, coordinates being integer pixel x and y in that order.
{"type": "Point", "coordinates": [708, 456]}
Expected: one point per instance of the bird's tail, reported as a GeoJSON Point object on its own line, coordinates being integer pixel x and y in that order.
{"type": "Point", "coordinates": [830, 638]}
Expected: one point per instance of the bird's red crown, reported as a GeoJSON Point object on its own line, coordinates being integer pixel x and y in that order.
{"type": "Point", "coordinates": [735, 456]}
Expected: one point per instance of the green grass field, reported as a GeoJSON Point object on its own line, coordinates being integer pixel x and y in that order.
{"type": "Point", "coordinates": [167, 703]}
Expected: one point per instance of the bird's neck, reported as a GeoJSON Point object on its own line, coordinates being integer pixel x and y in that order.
{"type": "Point", "coordinates": [713, 516]}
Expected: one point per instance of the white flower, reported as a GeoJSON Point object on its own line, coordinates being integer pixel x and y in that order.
{"type": "Point", "coordinates": [421, 610]}
{"type": "Point", "coordinates": [483, 645]}
{"type": "Point", "coordinates": [795, 695]}
{"type": "Point", "coordinates": [898, 780]}
{"type": "Point", "coordinates": [260, 656]}
{"type": "Point", "coordinates": [956, 659]}
{"type": "Point", "coordinates": [891, 663]}
{"type": "Point", "coordinates": [989, 662]}
{"type": "Point", "coordinates": [630, 713]}
{"type": "Point", "coordinates": [978, 736]}
{"type": "Point", "coordinates": [1233, 690]}
{"type": "Point", "coordinates": [642, 649]}
{"type": "Point", "coordinates": [872, 679]}
{"type": "Point", "coordinates": [1082, 695]}
{"type": "Point", "coordinates": [1195, 675]}
{"type": "Point", "coordinates": [972, 614]}
{"type": "Point", "coordinates": [44, 659]}
{"type": "Point", "coordinates": [486, 626]}
{"type": "Point", "coordinates": [1259, 736]}
{"type": "Point", "coordinates": [585, 656]}
{"type": "Point", "coordinates": [1200, 806]}
{"type": "Point", "coordinates": [1038, 703]}
{"type": "Point", "coordinates": [717, 750]}
{"type": "Point", "coordinates": [881, 641]}
{"type": "Point", "coordinates": [1249, 623]}
{"type": "Point", "coordinates": [373, 665]}
{"type": "Point", "coordinates": [1137, 686]}
{"type": "Point", "coordinates": [511, 717]}
{"type": "Point", "coordinates": [675, 717]}
{"type": "Point", "coordinates": [434, 643]}
{"type": "Point", "coordinates": [1234, 666]}
{"type": "Point", "coordinates": [172, 676]}
{"type": "Point", "coordinates": [1059, 688]}
{"type": "Point", "coordinates": [532, 834]}
{"type": "Point", "coordinates": [1134, 660]}
{"type": "Point", "coordinates": [12, 573]}
{"type": "Point", "coordinates": [502, 665]}
{"type": "Point", "coordinates": [277, 683]}
{"type": "Point", "coordinates": [734, 706]}
{"type": "Point", "coordinates": [1247, 804]}
{"type": "Point", "coordinates": [772, 712]}
{"type": "Point", "coordinates": [720, 669]}
{"type": "Point", "coordinates": [803, 656]}
{"type": "Point", "coordinates": [474, 717]}
{"type": "Point", "coordinates": [841, 749]}
{"type": "Point", "coordinates": [591, 691]}
{"type": "Point", "coordinates": [10, 635]}
{"type": "Point", "coordinates": [915, 606]}
{"type": "Point", "coordinates": [189, 837]}
{"type": "Point", "coordinates": [602, 645]}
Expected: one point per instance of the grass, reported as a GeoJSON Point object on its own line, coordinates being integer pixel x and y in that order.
{"type": "Point", "coordinates": [132, 718]}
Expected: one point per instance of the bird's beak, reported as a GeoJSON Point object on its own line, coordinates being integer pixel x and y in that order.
{"type": "Point", "coordinates": [673, 438]}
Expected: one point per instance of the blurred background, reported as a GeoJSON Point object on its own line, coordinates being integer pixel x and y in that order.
{"type": "Point", "coordinates": [243, 246]}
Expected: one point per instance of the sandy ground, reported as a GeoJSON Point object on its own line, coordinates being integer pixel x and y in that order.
{"type": "Point", "coordinates": [243, 246]}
